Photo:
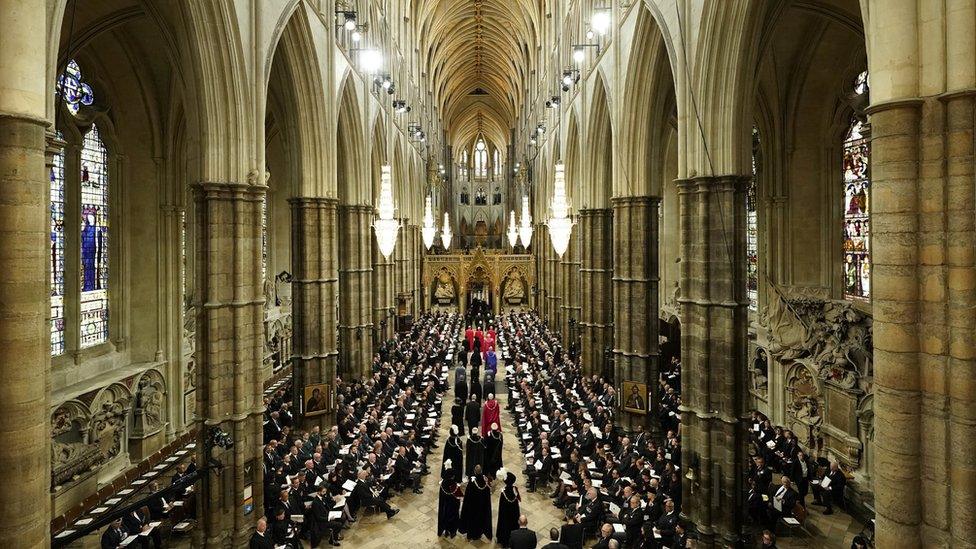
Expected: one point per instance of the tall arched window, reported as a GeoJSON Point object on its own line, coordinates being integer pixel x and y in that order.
{"type": "Point", "coordinates": [497, 163]}
{"type": "Point", "coordinates": [57, 253]}
{"type": "Point", "coordinates": [752, 228]}
{"type": "Point", "coordinates": [480, 159]}
{"type": "Point", "coordinates": [82, 191]}
{"type": "Point", "coordinates": [857, 205]}
{"type": "Point", "coordinates": [94, 240]}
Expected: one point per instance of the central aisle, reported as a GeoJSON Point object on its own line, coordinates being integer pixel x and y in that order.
{"type": "Point", "coordinates": [416, 525]}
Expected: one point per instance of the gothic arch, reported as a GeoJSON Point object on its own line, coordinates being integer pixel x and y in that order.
{"type": "Point", "coordinates": [650, 103]}
{"type": "Point", "coordinates": [598, 151]}
{"type": "Point", "coordinates": [350, 147]}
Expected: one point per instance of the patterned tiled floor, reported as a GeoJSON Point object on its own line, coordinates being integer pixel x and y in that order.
{"type": "Point", "coordinates": [415, 526]}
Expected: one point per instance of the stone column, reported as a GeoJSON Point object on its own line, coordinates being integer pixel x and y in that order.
{"type": "Point", "coordinates": [714, 314]}
{"type": "Point", "coordinates": [25, 310]}
{"type": "Point", "coordinates": [355, 290]}
{"type": "Point", "coordinates": [387, 277]}
{"type": "Point", "coordinates": [230, 346]}
{"type": "Point", "coordinates": [924, 302]}
{"type": "Point", "coordinates": [960, 301]}
{"type": "Point", "coordinates": [553, 295]}
{"type": "Point", "coordinates": [635, 297]}
{"type": "Point", "coordinates": [314, 293]}
{"type": "Point", "coordinates": [413, 273]}
{"type": "Point", "coordinates": [569, 274]}
{"type": "Point", "coordinates": [542, 275]}
{"type": "Point", "coordinates": [596, 270]}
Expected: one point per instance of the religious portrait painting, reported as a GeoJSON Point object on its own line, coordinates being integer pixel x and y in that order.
{"type": "Point", "coordinates": [634, 397]}
{"type": "Point", "coordinates": [318, 399]}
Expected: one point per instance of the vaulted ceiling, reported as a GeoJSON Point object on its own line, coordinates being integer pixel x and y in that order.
{"type": "Point", "coordinates": [478, 54]}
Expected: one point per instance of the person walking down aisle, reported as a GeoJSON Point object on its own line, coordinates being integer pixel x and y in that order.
{"type": "Point", "coordinates": [476, 508]}
{"type": "Point", "coordinates": [448, 502]}
{"type": "Point", "coordinates": [508, 508]}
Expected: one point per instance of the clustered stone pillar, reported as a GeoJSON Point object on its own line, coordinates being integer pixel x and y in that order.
{"type": "Point", "coordinates": [569, 276]}
{"type": "Point", "coordinates": [314, 293]}
{"type": "Point", "coordinates": [355, 290]}
{"type": "Point", "coordinates": [25, 330]}
{"type": "Point", "coordinates": [542, 299]}
{"type": "Point", "coordinates": [924, 304]}
{"type": "Point", "coordinates": [554, 294]}
{"type": "Point", "coordinates": [714, 311]}
{"type": "Point", "coordinates": [635, 297]}
{"type": "Point", "coordinates": [386, 281]}
{"type": "Point", "coordinates": [230, 345]}
{"type": "Point", "coordinates": [596, 271]}
{"type": "Point", "coordinates": [415, 251]}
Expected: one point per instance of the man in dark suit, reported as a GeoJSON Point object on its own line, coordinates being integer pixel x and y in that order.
{"type": "Point", "coordinates": [554, 544]}
{"type": "Point", "coordinates": [113, 535]}
{"type": "Point", "coordinates": [260, 538]}
{"type": "Point", "coordinates": [666, 524]}
{"type": "Point", "coordinates": [136, 522]}
{"type": "Point", "coordinates": [833, 493]}
{"type": "Point", "coordinates": [571, 535]}
{"type": "Point", "coordinates": [522, 537]}
{"type": "Point", "coordinates": [606, 534]}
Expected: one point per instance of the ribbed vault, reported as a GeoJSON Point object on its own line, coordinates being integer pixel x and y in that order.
{"type": "Point", "coordinates": [477, 55]}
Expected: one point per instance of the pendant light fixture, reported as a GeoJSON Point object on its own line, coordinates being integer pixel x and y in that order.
{"type": "Point", "coordinates": [385, 226]}
{"type": "Point", "coordinates": [446, 232]}
{"type": "Point", "coordinates": [560, 225]}
{"type": "Point", "coordinates": [513, 232]}
{"type": "Point", "coordinates": [525, 230]}
{"type": "Point", "coordinates": [429, 230]}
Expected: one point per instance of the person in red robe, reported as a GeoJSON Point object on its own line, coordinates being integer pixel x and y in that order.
{"type": "Point", "coordinates": [469, 337]}
{"type": "Point", "coordinates": [490, 413]}
{"type": "Point", "coordinates": [488, 344]}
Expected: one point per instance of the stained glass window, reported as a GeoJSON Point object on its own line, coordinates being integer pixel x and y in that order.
{"type": "Point", "coordinates": [71, 87]}
{"type": "Point", "coordinates": [94, 240]}
{"type": "Point", "coordinates": [857, 205]}
{"type": "Point", "coordinates": [264, 236]}
{"type": "Point", "coordinates": [57, 253]}
{"type": "Point", "coordinates": [752, 228]}
{"type": "Point", "coordinates": [497, 163]}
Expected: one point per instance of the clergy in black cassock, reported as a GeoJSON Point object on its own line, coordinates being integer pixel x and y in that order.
{"type": "Point", "coordinates": [508, 509]}
{"type": "Point", "coordinates": [476, 509]}
{"type": "Point", "coordinates": [474, 454]}
{"type": "Point", "coordinates": [476, 388]}
{"type": "Point", "coordinates": [457, 413]}
{"type": "Point", "coordinates": [493, 451]}
{"type": "Point", "coordinates": [461, 389]}
{"type": "Point", "coordinates": [449, 501]}
{"type": "Point", "coordinates": [472, 414]}
{"type": "Point", "coordinates": [453, 452]}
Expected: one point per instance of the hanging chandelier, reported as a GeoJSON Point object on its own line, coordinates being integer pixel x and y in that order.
{"type": "Point", "coordinates": [560, 225]}
{"type": "Point", "coordinates": [385, 226]}
{"type": "Point", "coordinates": [429, 230]}
{"type": "Point", "coordinates": [513, 232]}
{"type": "Point", "coordinates": [525, 230]}
{"type": "Point", "coordinates": [446, 232]}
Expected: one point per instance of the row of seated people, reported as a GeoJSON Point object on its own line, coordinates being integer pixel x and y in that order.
{"type": "Point", "coordinates": [385, 426]}
{"type": "Point", "coordinates": [781, 475]}
{"type": "Point", "coordinates": [623, 489]}
{"type": "Point", "coordinates": [174, 510]}
{"type": "Point", "coordinates": [142, 527]}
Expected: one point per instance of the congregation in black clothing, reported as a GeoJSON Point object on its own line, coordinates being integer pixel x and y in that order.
{"type": "Point", "coordinates": [385, 426]}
